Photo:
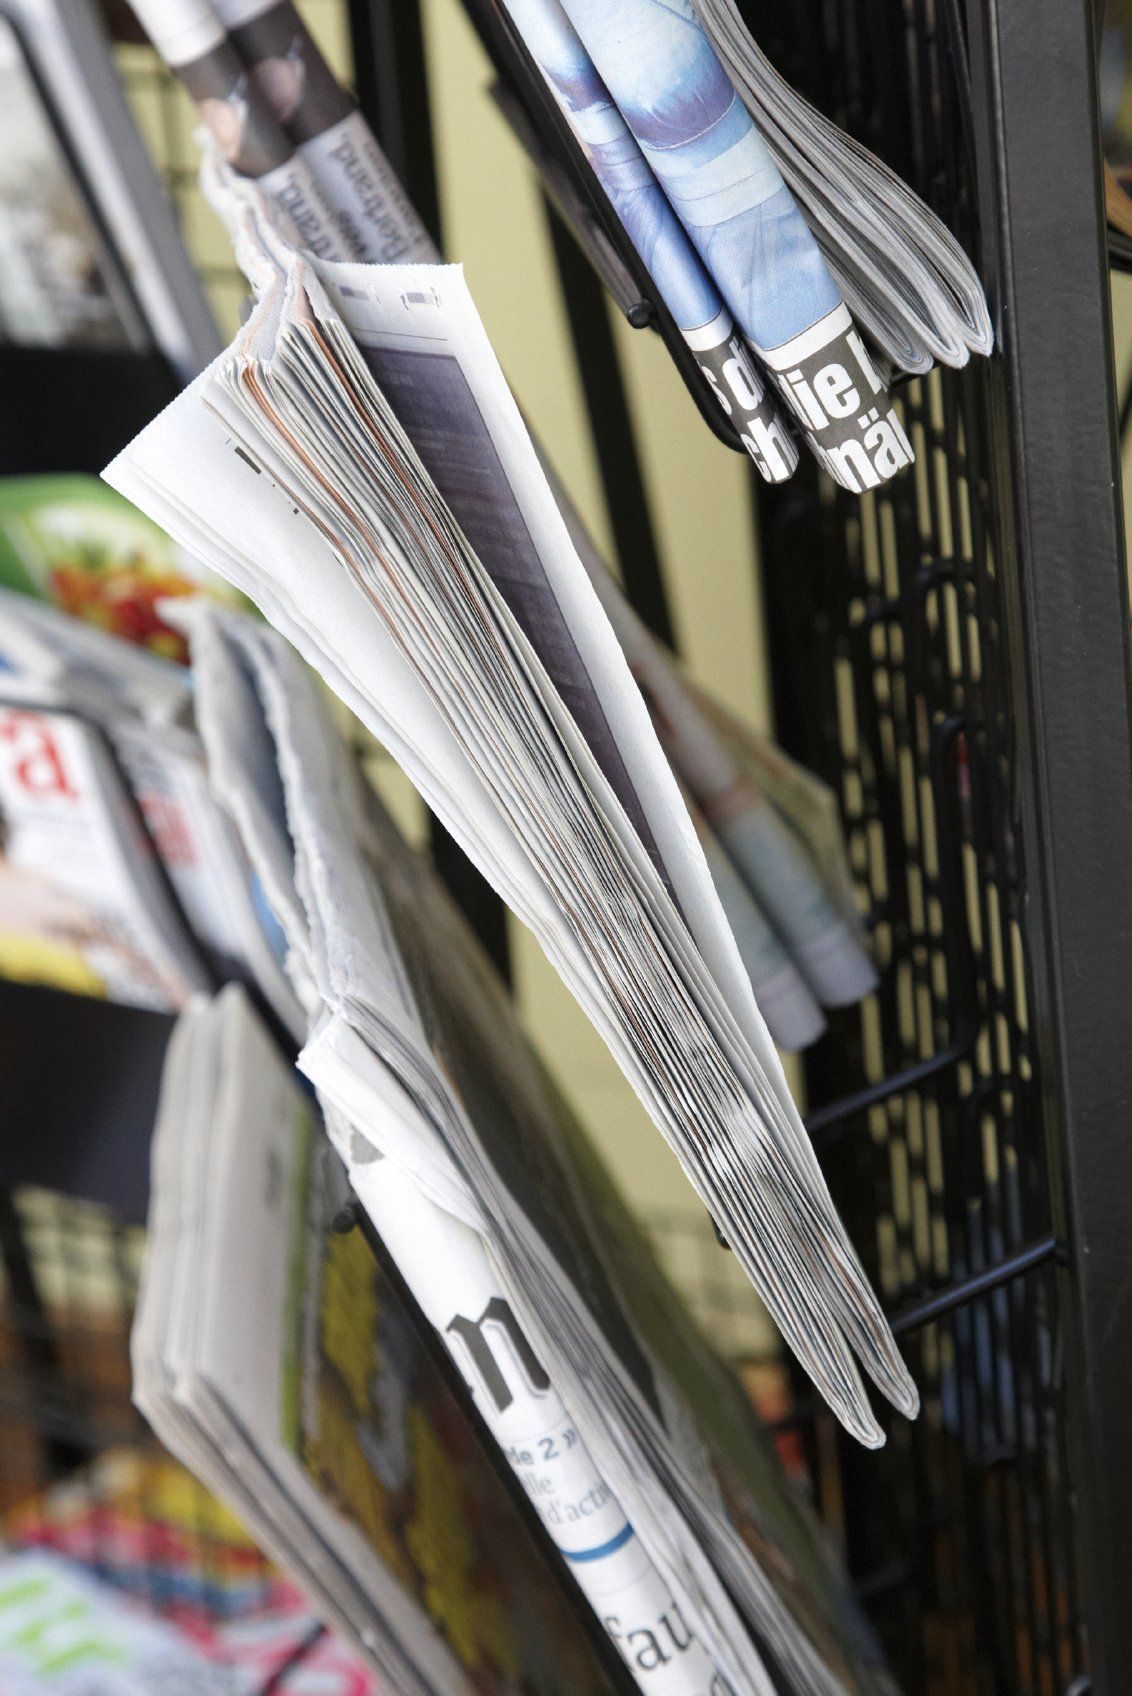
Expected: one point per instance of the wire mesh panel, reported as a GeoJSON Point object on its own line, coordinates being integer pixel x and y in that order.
{"type": "Point", "coordinates": [893, 680]}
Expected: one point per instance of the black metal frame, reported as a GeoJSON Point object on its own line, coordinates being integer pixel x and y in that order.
{"type": "Point", "coordinates": [1068, 599]}
{"type": "Point", "coordinates": [1041, 713]}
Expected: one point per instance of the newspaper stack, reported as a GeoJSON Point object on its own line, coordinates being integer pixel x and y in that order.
{"type": "Point", "coordinates": [309, 1405]}
{"type": "Point", "coordinates": [119, 875]}
{"type": "Point", "coordinates": [356, 464]}
{"type": "Point", "coordinates": [454, 687]}
{"type": "Point", "coordinates": [629, 1437]}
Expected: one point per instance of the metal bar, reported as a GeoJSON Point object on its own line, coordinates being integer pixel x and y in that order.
{"type": "Point", "coordinates": [830, 1120]}
{"type": "Point", "coordinates": [293, 1660]}
{"type": "Point", "coordinates": [36, 1341]}
{"type": "Point", "coordinates": [615, 443]}
{"type": "Point", "coordinates": [943, 1302]}
{"type": "Point", "coordinates": [1125, 409]}
{"type": "Point", "coordinates": [391, 81]}
{"type": "Point", "coordinates": [1068, 629]}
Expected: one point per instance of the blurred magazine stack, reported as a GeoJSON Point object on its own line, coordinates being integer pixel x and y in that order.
{"type": "Point", "coordinates": [1114, 19]}
{"type": "Point", "coordinates": [312, 1406]}
{"type": "Point", "coordinates": [61, 1631]}
{"type": "Point", "coordinates": [91, 255]}
{"type": "Point", "coordinates": [635, 1446]}
{"type": "Point", "coordinates": [134, 1525]}
{"type": "Point", "coordinates": [119, 876]}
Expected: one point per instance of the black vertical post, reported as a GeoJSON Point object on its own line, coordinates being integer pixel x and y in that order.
{"type": "Point", "coordinates": [619, 462]}
{"type": "Point", "coordinates": [391, 79]}
{"type": "Point", "coordinates": [1034, 66]}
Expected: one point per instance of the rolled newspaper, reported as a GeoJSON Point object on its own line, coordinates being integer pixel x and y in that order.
{"type": "Point", "coordinates": [767, 856]}
{"type": "Point", "coordinates": [729, 194]}
{"type": "Point", "coordinates": [657, 234]}
{"type": "Point", "coordinates": [785, 1000]}
{"type": "Point", "coordinates": [194, 45]}
{"type": "Point", "coordinates": [446, 1266]}
{"type": "Point", "coordinates": [372, 210]}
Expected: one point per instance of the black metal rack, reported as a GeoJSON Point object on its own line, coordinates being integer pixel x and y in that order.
{"type": "Point", "coordinates": [954, 655]}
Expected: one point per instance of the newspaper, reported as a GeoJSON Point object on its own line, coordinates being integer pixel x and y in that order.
{"type": "Point", "coordinates": [907, 280]}
{"type": "Point", "coordinates": [701, 159]}
{"type": "Point", "coordinates": [443, 1260]}
{"type": "Point", "coordinates": [496, 1212]}
{"type": "Point", "coordinates": [239, 117]}
{"type": "Point", "coordinates": [284, 467]}
{"type": "Point", "coordinates": [372, 212]}
{"type": "Point", "coordinates": [311, 1405]}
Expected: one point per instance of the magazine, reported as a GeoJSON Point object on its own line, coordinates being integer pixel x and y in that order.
{"type": "Point", "coordinates": [121, 875]}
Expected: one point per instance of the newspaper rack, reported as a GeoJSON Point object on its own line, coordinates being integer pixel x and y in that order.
{"type": "Point", "coordinates": [953, 657]}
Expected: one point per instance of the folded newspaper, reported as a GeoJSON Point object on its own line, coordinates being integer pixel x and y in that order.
{"type": "Point", "coordinates": [632, 1441]}
{"type": "Point", "coordinates": [356, 465]}
{"type": "Point", "coordinates": [901, 271]}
